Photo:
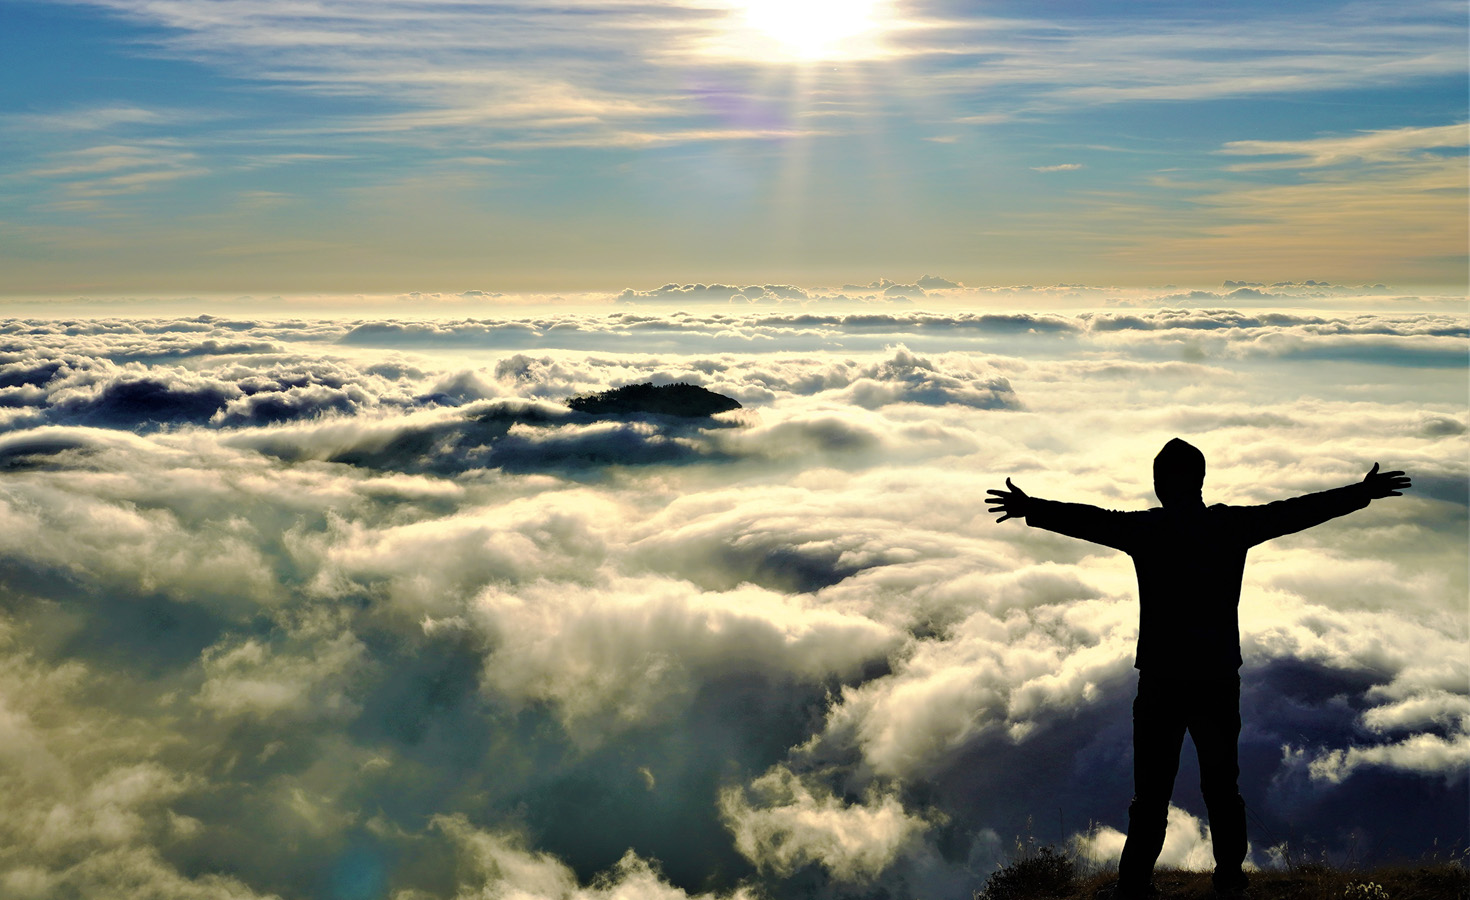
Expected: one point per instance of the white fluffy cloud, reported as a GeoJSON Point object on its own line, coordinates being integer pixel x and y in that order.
{"type": "Point", "coordinates": [1187, 844]}
{"type": "Point", "coordinates": [623, 650]}
{"type": "Point", "coordinates": [792, 824]}
{"type": "Point", "coordinates": [1428, 754]}
{"type": "Point", "coordinates": [503, 868]}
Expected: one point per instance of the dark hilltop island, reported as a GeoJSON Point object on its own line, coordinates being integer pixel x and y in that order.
{"type": "Point", "coordinates": [684, 400]}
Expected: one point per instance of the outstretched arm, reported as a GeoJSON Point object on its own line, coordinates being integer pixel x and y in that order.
{"type": "Point", "coordinates": [1078, 520]}
{"type": "Point", "coordinates": [1289, 516]}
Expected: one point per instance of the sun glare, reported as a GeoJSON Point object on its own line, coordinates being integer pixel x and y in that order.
{"type": "Point", "coordinates": [814, 29]}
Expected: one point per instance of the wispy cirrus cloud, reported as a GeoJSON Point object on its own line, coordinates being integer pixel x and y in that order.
{"type": "Point", "coordinates": [673, 112]}
{"type": "Point", "coordinates": [604, 69]}
{"type": "Point", "coordinates": [1394, 146]}
{"type": "Point", "coordinates": [1056, 64]}
{"type": "Point", "coordinates": [97, 118]}
{"type": "Point", "coordinates": [107, 170]}
{"type": "Point", "coordinates": [1392, 194]}
{"type": "Point", "coordinates": [509, 67]}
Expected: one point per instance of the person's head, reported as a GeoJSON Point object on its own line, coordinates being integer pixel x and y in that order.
{"type": "Point", "coordinates": [1179, 474]}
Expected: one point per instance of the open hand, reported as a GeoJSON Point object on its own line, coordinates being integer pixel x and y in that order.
{"type": "Point", "coordinates": [1012, 503]}
{"type": "Point", "coordinates": [1385, 484]}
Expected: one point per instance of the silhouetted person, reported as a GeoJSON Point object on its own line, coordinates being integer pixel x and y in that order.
{"type": "Point", "coordinates": [1190, 559]}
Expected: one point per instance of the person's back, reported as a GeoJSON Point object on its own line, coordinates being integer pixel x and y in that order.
{"type": "Point", "coordinates": [1190, 562]}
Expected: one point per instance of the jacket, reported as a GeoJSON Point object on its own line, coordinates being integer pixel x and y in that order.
{"type": "Point", "coordinates": [1190, 564]}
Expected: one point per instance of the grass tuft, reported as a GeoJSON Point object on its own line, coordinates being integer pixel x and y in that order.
{"type": "Point", "coordinates": [1041, 875]}
{"type": "Point", "coordinates": [1051, 874]}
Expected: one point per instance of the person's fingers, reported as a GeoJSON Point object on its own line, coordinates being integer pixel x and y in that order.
{"type": "Point", "coordinates": [1373, 471]}
{"type": "Point", "coordinates": [1393, 494]}
{"type": "Point", "coordinates": [1003, 518]}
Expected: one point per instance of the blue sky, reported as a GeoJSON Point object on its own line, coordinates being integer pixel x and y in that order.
{"type": "Point", "coordinates": [253, 145]}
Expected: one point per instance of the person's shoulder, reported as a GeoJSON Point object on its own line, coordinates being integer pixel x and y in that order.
{"type": "Point", "coordinates": [1231, 509]}
{"type": "Point", "coordinates": [1140, 515]}
{"type": "Point", "coordinates": [1225, 512]}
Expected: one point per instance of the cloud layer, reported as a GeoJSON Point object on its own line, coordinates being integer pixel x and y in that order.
{"type": "Point", "coordinates": [358, 608]}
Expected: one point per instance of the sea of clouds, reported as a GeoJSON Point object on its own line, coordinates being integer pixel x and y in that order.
{"type": "Point", "coordinates": [357, 608]}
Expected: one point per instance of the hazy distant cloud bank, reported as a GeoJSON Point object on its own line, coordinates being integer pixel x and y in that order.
{"type": "Point", "coordinates": [359, 608]}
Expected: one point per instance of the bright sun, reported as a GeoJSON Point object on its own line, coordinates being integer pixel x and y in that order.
{"type": "Point", "coordinates": [814, 29]}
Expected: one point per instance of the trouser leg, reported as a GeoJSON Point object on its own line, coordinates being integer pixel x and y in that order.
{"type": "Point", "coordinates": [1216, 731]}
{"type": "Point", "coordinates": [1158, 734]}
